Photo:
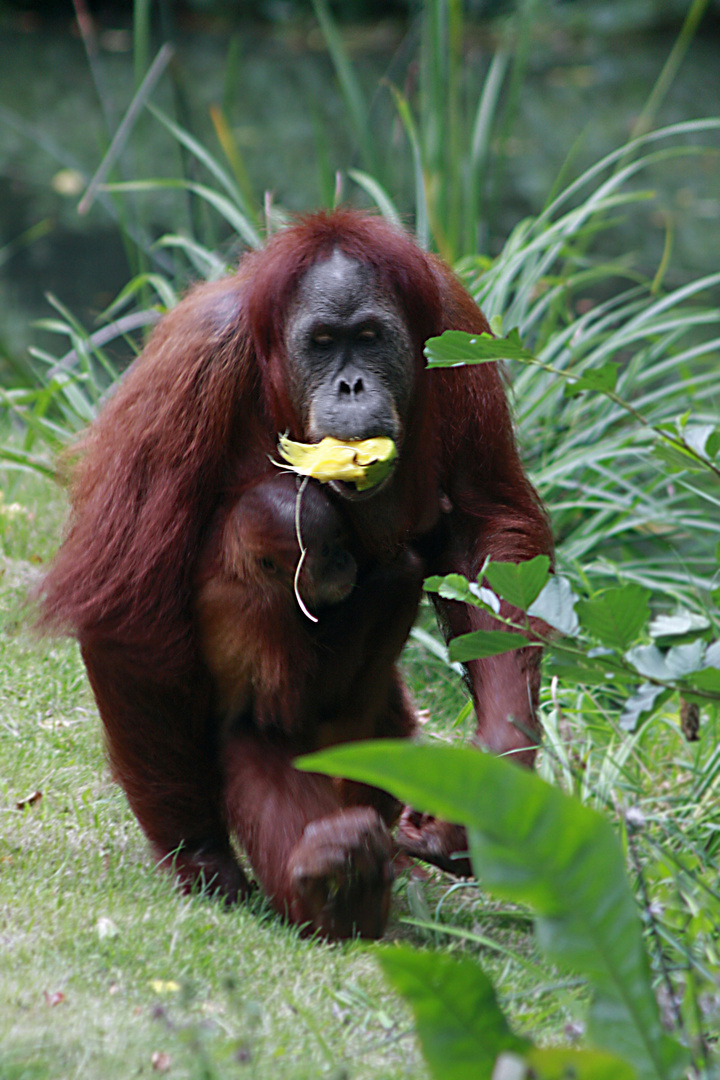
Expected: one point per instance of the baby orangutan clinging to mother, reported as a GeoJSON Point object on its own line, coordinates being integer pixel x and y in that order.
{"type": "Point", "coordinates": [253, 635]}
{"type": "Point", "coordinates": [285, 684]}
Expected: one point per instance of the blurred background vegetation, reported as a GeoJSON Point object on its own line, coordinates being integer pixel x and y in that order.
{"type": "Point", "coordinates": [586, 68]}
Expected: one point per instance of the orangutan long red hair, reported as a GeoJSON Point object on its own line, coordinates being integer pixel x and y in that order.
{"type": "Point", "coordinates": [320, 333]}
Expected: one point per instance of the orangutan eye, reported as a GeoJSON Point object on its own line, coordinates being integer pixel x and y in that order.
{"type": "Point", "coordinates": [268, 565]}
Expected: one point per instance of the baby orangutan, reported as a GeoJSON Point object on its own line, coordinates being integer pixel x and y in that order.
{"type": "Point", "coordinates": [253, 633]}
{"type": "Point", "coordinates": [285, 685]}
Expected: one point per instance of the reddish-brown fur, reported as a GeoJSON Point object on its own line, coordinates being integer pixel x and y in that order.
{"type": "Point", "coordinates": [260, 648]}
{"type": "Point", "coordinates": [190, 428]}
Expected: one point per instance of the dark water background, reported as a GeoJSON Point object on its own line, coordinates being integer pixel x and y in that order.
{"type": "Point", "coordinates": [589, 77]}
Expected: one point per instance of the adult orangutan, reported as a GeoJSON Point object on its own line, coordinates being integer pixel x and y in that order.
{"type": "Point", "coordinates": [319, 334]}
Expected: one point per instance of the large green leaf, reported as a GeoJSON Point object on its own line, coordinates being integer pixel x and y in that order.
{"type": "Point", "coordinates": [459, 1022]}
{"type": "Point", "coordinates": [680, 627]}
{"type": "Point", "coordinates": [457, 347]}
{"type": "Point", "coordinates": [707, 680]}
{"type": "Point", "coordinates": [646, 700]}
{"type": "Point", "coordinates": [463, 1030]}
{"type": "Point", "coordinates": [556, 605]}
{"type": "Point", "coordinates": [482, 643]}
{"type": "Point", "coordinates": [533, 844]}
{"type": "Point", "coordinates": [560, 1064]}
{"type": "Point", "coordinates": [676, 663]}
{"type": "Point", "coordinates": [519, 583]}
{"type": "Point", "coordinates": [457, 587]}
{"type": "Point", "coordinates": [617, 616]}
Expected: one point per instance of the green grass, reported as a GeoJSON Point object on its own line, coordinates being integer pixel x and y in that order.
{"type": "Point", "coordinates": [84, 914]}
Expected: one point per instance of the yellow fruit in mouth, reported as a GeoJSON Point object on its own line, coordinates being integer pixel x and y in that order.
{"type": "Point", "coordinates": [364, 463]}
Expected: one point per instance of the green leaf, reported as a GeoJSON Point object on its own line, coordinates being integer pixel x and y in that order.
{"type": "Point", "coordinates": [570, 668]}
{"type": "Point", "coordinates": [702, 438]}
{"type": "Point", "coordinates": [481, 643]}
{"type": "Point", "coordinates": [708, 680]}
{"type": "Point", "coordinates": [535, 845]}
{"type": "Point", "coordinates": [676, 663]}
{"type": "Point", "coordinates": [19, 459]}
{"type": "Point", "coordinates": [592, 668]}
{"type": "Point", "coordinates": [616, 616]}
{"type": "Point", "coordinates": [455, 347]}
{"type": "Point", "coordinates": [649, 661]}
{"type": "Point", "coordinates": [457, 587]}
{"type": "Point", "coordinates": [712, 446]}
{"type": "Point", "coordinates": [712, 656]}
{"type": "Point", "coordinates": [519, 583]}
{"type": "Point", "coordinates": [604, 379]}
{"type": "Point", "coordinates": [562, 1064]}
{"type": "Point", "coordinates": [556, 606]}
{"type": "Point", "coordinates": [674, 458]}
{"type": "Point", "coordinates": [682, 624]}
{"type": "Point", "coordinates": [642, 704]}
{"type": "Point", "coordinates": [422, 222]}
{"type": "Point", "coordinates": [458, 1020]}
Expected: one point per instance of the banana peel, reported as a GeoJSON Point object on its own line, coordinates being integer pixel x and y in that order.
{"type": "Point", "coordinates": [364, 463]}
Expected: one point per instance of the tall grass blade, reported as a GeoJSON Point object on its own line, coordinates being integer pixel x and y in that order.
{"type": "Point", "coordinates": [122, 134]}
{"type": "Point", "coordinates": [349, 85]}
{"type": "Point", "coordinates": [378, 194]}
{"type": "Point", "coordinates": [422, 223]}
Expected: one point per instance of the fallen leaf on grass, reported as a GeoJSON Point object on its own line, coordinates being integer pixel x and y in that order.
{"type": "Point", "coordinates": [55, 998]}
{"type": "Point", "coordinates": [21, 804]}
{"type": "Point", "coordinates": [106, 928]}
{"type": "Point", "coordinates": [161, 1061]}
